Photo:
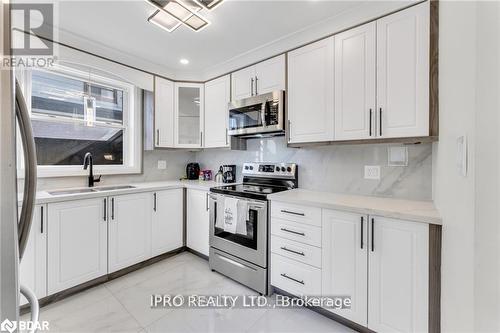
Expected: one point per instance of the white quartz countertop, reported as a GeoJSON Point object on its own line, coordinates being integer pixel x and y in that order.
{"type": "Point", "coordinates": [419, 211]}
{"type": "Point", "coordinates": [43, 197]}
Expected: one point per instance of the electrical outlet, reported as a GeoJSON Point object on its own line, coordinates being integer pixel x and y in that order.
{"type": "Point", "coordinates": [372, 171]}
{"type": "Point", "coordinates": [162, 165]}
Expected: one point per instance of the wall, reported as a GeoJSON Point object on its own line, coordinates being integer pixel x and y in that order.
{"type": "Point", "coordinates": [337, 168]}
{"type": "Point", "coordinates": [454, 194]}
{"type": "Point", "coordinates": [176, 168]}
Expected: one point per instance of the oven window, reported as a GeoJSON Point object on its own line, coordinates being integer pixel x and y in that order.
{"type": "Point", "coordinates": [246, 117]}
{"type": "Point", "coordinates": [250, 239]}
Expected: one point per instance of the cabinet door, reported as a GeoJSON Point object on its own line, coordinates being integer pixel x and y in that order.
{"type": "Point", "coordinates": [77, 244]}
{"type": "Point", "coordinates": [403, 73]}
{"type": "Point", "coordinates": [167, 224]}
{"type": "Point", "coordinates": [270, 75]}
{"type": "Point", "coordinates": [310, 92]}
{"type": "Point", "coordinates": [243, 83]}
{"type": "Point", "coordinates": [189, 104]}
{"type": "Point", "coordinates": [197, 221]}
{"type": "Point", "coordinates": [33, 266]}
{"type": "Point", "coordinates": [217, 98]}
{"type": "Point", "coordinates": [129, 230]}
{"type": "Point", "coordinates": [398, 275]}
{"type": "Point", "coordinates": [164, 113]}
{"type": "Point", "coordinates": [355, 83]}
{"type": "Point", "coordinates": [344, 261]}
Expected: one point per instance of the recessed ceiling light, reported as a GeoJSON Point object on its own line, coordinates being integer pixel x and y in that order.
{"type": "Point", "coordinates": [184, 61]}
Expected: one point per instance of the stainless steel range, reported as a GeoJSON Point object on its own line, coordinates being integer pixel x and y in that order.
{"type": "Point", "coordinates": [241, 252]}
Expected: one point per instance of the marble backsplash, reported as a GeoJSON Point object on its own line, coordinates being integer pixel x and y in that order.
{"type": "Point", "coordinates": [331, 168]}
{"type": "Point", "coordinates": [337, 168]}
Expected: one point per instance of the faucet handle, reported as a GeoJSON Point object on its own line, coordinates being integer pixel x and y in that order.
{"type": "Point", "coordinates": [98, 179]}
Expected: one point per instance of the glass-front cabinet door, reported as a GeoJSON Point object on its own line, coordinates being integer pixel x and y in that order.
{"type": "Point", "coordinates": [189, 101]}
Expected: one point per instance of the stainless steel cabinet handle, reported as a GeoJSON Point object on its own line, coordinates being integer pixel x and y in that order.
{"type": "Point", "coordinates": [362, 223]}
{"type": "Point", "coordinates": [289, 130]}
{"type": "Point", "coordinates": [292, 251]}
{"type": "Point", "coordinates": [158, 137]}
{"type": "Point", "coordinates": [226, 136]}
{"type": "Point", "coordinates": [206, 202]}
{"type": "Point", "coordinates": [154, 201]}
{"type": "Point", "coordinates": [256, 90]}
{"type": "Point", "coordinates": [371, 119]}
{"type": "Point", "coordinates": [105, 217]}
{"type": "Point", "coordinates": [293, 232]}
{"type": "Point", "coordinates": [251, 86]}
{"type": "Point", "coordinates": [291, 278]}
{"type": "Point", "coordinates": [373, 235]}
{"type": "Point", "coordinates": [41, 219]}
{"type": "Point", "coordinates": [112, 208]}
{"type": "Point", "coordinates": [380, 121]}
{"type": "Point", "coordinates": [201, 139]}
{"type": "Point", "coordinates": [293, 213]}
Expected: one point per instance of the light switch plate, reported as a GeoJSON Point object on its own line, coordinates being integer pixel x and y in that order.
{"type": "Point", "coordinates": [372, 171]}
{"type": "Point", "coordinates": [162, 165]}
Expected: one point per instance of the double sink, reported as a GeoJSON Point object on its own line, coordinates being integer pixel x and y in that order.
{"type": "Point", "coordinates": [89, 190]}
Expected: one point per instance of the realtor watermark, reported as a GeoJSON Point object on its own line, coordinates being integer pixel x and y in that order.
{"type": "Point", "coordinates": [32, 34]}
{"type": "Point", "coordinates": [247, 301]}
{"type": "Point", "coordinates": [23, 326]}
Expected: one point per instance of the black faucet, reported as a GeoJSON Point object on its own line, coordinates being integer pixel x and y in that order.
{"type": "Point", "coordinates": [87, 160]}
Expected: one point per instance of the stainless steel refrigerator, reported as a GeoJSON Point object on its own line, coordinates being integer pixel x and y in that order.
{"type": "Point", "coordinates": [14, 229]}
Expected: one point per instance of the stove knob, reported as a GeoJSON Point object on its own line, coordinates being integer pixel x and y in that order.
{"type": "Point", "coordinates": [282, 169]}
{"type": "Point", "coordinates": [246, 167]}
{"type": "Point", "coordinates": [289, 169]}
{"type": "Point", "coordinates": [277, 169]}
{"type": "Point", "coordinates": [251, 167]}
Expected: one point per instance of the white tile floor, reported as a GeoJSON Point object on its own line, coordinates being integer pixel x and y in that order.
{"type": "Point", "coordinates": [123, 305]}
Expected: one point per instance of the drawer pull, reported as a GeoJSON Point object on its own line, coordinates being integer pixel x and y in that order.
{"type": "Point", "coordinates": [293, 213]}
{"type": "Point", "coordinates": [291, 278]}
{"type": "Point", "coordinates": [292, 251]}
{"type": "Point", "coordinates": [293, 232]}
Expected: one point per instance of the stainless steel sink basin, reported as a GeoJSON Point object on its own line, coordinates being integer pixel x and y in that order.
{"type": "Point", "coordinates": [72, 191]}
{"type": "Point", "coordinates": [111, 188]}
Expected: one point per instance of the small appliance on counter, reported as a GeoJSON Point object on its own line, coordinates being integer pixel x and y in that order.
{"type": "Point", "coordinates": [193, 171]}
{"type": "Point", "coordinates": [228, 173]}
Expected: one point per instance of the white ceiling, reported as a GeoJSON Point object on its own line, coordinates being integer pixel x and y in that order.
{"type": "Point", "coordinates": [236, 27]}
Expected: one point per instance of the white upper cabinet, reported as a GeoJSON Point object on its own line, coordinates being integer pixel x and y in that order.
{"type": "Point", "coordinates": [398, 275]}
{"type": "Point", "coordinates": [311, 92]}
{"type": "Point", "coordinates": [261, 78]}
{"type": "Point", "coordinates": [33, 266]}
{"type": "Point", "coordinates": [355, 67]}
{"type": "Point", "coordinates": [164, 113]}
{"type": "Point", "coordinates": [77, 245]}
{"type": "Point", "coordinates": [167, 221]}
{"type": "Point", "coordinates": [129, 230]}
{"type": "Point", "coordinates": [403, 73]}
{"type": "Point", "coordinates": [270, 75]}
{"type": "Point", "coordinates": [345, 260]}
{"type": "Point", "coordinates": [188, 120]}
{"type": "Point", "coordinates": [217, 98]}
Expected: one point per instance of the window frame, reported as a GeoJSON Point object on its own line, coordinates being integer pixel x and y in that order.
{"type": "Point", "coordinates": [132, 125]}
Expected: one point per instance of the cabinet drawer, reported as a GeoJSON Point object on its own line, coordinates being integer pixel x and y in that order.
{"type": "Point", "coordinates": [307, 254]}
{"type": "Point", "coordinates": [297, 213]}
{"type": "Point", "coordinates": [299, 232]}
{"type": "Point", "coordinates": [295, 277]}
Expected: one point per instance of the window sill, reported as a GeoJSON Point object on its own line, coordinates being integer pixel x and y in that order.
{"type": "Point", "coordinates": [75, 171]}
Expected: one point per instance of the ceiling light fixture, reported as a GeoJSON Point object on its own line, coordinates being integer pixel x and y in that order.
{"type": "Point", "coordinates": [209, 4]}
{"type": "Point", "coordinates": [172, 12]}
{"type": "Point", "coordinates": [184, 61]}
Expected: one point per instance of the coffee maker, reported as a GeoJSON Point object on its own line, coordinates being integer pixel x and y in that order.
{"type": "Point", "coordinates": [228, 173]}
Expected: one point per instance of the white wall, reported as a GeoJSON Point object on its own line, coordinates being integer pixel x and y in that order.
{"type": "Point", "coordinates": [487, 222]}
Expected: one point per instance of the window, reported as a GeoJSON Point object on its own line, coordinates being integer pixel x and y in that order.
{"type": "Point", "coordinates": [73, 113]}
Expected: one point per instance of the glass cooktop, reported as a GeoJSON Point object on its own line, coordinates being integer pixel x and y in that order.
{"type": "Point", "coordinates": [256, 191]}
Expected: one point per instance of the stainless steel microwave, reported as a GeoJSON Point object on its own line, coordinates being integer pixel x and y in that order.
{"type": "Point", "coordinates": [258, 115]}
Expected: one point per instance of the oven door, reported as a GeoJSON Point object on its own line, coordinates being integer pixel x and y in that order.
{"type": "Point", "coordinates": [251, 247]}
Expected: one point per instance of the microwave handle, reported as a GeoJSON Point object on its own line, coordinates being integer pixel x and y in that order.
{"type": "Point", "coordinates": [263, 114]}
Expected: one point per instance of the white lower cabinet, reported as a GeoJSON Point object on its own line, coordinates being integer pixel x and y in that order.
{"type": "Point", "coordinates": [398, 275]}
{"type": "Point", "coordinates": [33, 266]}
{"type": "Point", "coordinates": [167, 221]}
{"type": "Point", "coordinates": [381, 263]}
{"type": "Point", "coordinates": [77, 243]}
{"type": "Point", "coordinates": [345, 260]}
{"type": "Point", "coordinates": [197, 221]}
{"type": "Point", "coordinates": [129, 230]}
